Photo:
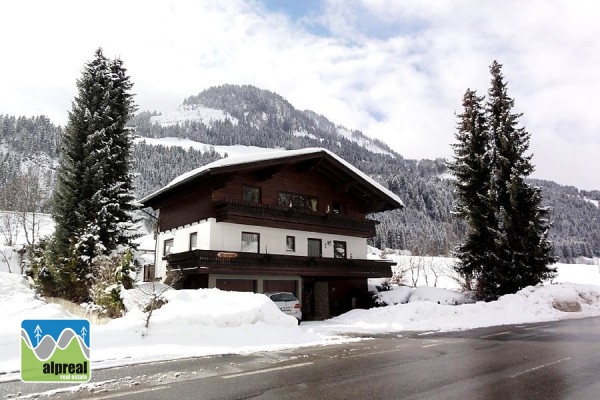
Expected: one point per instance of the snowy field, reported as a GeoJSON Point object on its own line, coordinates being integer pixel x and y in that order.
{"type": "Point", "coordinates": [188, 143]}
{"type": "Point", "coordinates": [211, 321]}
{"type": "Point", "coordinates": [11, 231]}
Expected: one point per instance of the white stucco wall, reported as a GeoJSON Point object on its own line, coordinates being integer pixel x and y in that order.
{"type": "Point", "coordinates": [181, 242]}
{"type": "Point", "coordinates": [228, 237]}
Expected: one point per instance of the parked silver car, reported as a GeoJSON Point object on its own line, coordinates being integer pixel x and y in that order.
{"type": "Point", "coordinates": [288, 303]}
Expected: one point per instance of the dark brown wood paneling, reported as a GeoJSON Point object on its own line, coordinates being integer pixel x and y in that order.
{"type": "Point", "coordinates": [288, 179]}
{"type": "Point", "coordinates": [196, 203]}
{"type": "Point", "coordinates": [208, 261]}
{"type": "Point", "coordinates": [237, 285]}
{"type": "Point", "coordinates": [280, 286]}
{"type": "Point", "coordinates": [186, 210]}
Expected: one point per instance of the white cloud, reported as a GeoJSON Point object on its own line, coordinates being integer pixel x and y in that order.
{"type": "Point", "coordinates": [396, 70]}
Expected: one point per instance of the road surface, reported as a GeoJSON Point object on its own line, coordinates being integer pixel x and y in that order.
{"type": "Point", "coordinates": [556, 360]}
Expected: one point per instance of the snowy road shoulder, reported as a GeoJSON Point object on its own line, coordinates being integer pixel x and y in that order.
{"type": "Point", "coordinates": [210, 321]}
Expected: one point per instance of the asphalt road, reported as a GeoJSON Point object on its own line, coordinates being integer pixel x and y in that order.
{"type": "Point", "coordinates": [557, 360]}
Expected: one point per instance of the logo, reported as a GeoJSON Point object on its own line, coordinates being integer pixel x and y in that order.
{"type": "Point", "coordinates": [55, 350]}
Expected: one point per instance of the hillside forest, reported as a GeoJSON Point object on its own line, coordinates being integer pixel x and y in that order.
{"type": "Point", "coordinates": [30, 147]}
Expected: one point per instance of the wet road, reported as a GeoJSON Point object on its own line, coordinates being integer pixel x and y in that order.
{"type": "Point", "coordinates": [556, 360]}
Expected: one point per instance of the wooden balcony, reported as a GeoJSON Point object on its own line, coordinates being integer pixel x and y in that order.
{"type": "Point", "coordinates": [216, 262]}
{"type": "Point", "coordinates": [237, 211]}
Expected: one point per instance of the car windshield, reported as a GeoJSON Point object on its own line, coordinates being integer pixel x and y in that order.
{"type": "Point", "coordinates": [283, 297]}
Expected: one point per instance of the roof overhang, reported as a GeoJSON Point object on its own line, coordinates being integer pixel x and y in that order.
{"type": "Point", "coordinates": [348, 178]}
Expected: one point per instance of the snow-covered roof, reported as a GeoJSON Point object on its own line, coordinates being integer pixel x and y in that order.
{"type": "Point", "coordinates": [240, 160]}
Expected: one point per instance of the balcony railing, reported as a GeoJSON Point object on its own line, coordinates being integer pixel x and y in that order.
{"type": "Point", "coordinates": [211, 261]}
{"type": "Point", "coordinates": [230, 210]}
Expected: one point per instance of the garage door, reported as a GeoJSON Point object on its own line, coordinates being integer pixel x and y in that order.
{"type": "Point", "coordinates": [237, 285]}
{"type": "Point", "coordinates": [279, 286]}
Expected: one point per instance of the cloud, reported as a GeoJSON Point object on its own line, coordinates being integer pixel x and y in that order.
{"type": "Point", "coordinates": [397, 70]}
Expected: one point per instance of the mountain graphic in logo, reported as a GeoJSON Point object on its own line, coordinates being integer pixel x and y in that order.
{"type": "Point", "coordinates": [55, 350]}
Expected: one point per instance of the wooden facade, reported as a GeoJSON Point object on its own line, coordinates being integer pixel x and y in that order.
{"type": "Point", "coordinates": [309, 191]}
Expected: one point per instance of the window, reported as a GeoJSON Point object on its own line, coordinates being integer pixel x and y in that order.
{"type": "Point", "coordinates": [193, 240]}
{"type": "Point", "coordinates": [290, 243]}
{"type": "Point", "coordinates": [339, 249]}
{"type": "Point", "coordinates": [313, 204]}
{"type": "Point", "coordinates": [336, 208]}
{"type": "Point", "coordinates": [250, 242]}
{"type": "Point", "coordinates": [148, 273]}
{"type": "Point", "coordinates": [297, 201]}
{"type": "Point", "coordinates": [286, 199]}
{"type": "Point", "coordinates": [251, 194]}
{"type": "Point", "coordinates": [168, 245]}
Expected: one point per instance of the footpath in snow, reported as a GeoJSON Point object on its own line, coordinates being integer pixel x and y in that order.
{"type": "Point", "coordinates": [210, 321]}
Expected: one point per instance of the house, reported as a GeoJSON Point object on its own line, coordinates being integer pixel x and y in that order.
{"type": "Point", "coordinates": [277, 221]}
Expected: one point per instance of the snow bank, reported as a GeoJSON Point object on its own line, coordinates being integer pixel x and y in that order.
{"type": "Point", "coordinates": [532, 304]}
{"type": "Point", "coordinates": [404, 294]}
{"type": "Point", "coordinates": [18, 302]}
{"type": "Point", "coordinates": [210, 321]}
{"type": "Point", "coordinates": [192, 323]}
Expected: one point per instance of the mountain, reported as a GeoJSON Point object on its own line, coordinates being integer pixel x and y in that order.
{"type": "Point", "coordinates": [230, 118]}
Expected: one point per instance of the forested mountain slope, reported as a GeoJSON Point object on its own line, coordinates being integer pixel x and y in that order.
{"type": "Point", "coordinates": [244, 115]}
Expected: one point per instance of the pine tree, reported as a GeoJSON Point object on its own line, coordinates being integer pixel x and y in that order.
{"type": "Point", "coordinates": [94, 194]}
{"type": "Point", "coordinates": [507, 245]}
{"type": "Point", "coordinates": [472, 169]}
{"type": "Point", "coordinates": [524, 251]}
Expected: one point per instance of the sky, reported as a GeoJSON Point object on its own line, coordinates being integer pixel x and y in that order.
{"type": "Point", "coordinates": [395, 70]}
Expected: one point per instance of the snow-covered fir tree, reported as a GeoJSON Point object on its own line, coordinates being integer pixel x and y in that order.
{"type": "Point", "coordinates": [94, 194]}
{"type": "Point", "coordinates": [524, 250]}
{"type": "Point", "coordinates": [507, 247]}
{"type": "Point", "coordinates": [473, 171]}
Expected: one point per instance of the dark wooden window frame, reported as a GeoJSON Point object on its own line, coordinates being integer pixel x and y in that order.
{"type": "Point", "coordinates": [167, 246]}
{"type": "Point", "coordinates": [290, 243]}
{"type": "Point", "coordinates": [337, 244]}
{"type": "Point", "coordinates": [193, 235]}
{"type": "Point", "coordinates": [288, 199]}
{"type": "Point", "coordinates": [257, 241]}
{"type": "Point", "coordinates": [149, 273]}
{"type": "Point", "coordinates": [251, 188]}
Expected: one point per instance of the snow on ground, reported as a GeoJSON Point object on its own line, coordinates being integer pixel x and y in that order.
{"type": "Point", "coordinates": [191, 113]}
{"type": "Point", "coordinates": [188, 143]}
{"type": "Point", "coordinates": [362, 141]}
{"type": "Point", "coordinates": [532, 304]}
{"type": "Point", "coordinates": [12, 231]}
{"type": "Point", "coordinates": [211, 321]}
{"type": "Point", "coordinates": [192, 323]}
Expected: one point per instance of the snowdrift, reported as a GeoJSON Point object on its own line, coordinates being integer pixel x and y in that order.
{"type": "Point", "coordinates": [210, 321]}
{"type": "Point", "coordinates": [192, 323]}
{"type": "Point", "coordinates": [529, 305]}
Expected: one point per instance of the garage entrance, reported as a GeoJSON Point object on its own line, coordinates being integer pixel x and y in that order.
{"type": "Point", "coordinates": [271, 285]}
{"type": "Point", "coordinates": [237, 285]}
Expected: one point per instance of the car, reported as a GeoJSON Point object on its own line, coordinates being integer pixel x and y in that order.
{"type": "Point", "coordinates": [287, 303]}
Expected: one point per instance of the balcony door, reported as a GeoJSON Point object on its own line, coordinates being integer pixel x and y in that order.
{"type": "Point", "coordinates": [314, 248]}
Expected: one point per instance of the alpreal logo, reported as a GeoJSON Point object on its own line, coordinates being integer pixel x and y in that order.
{"type": "Point", "coordinates": [55, 350]}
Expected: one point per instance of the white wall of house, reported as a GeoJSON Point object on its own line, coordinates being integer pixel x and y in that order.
{"type": "Point", "coordinates": [181, 242]}
{"type": "Point", "coordinates": [225, 236]}
{"type": "Point", "coordinates": [228, 237]}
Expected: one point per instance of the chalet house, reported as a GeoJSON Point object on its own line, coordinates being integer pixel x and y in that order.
{"type": "Point", "coordinates": [278, 221]}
